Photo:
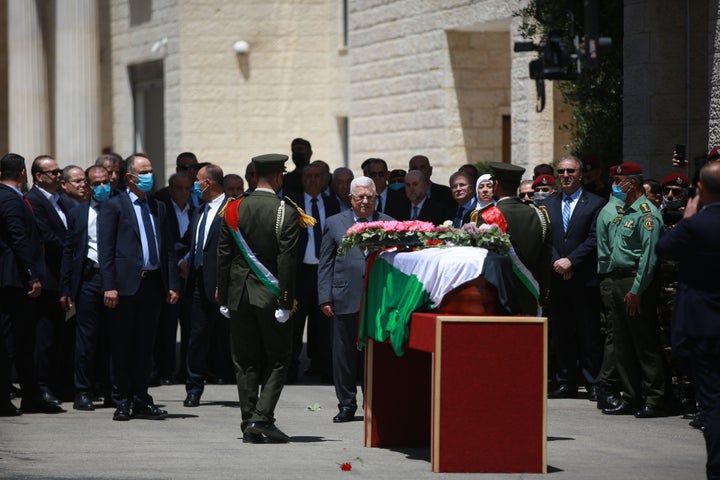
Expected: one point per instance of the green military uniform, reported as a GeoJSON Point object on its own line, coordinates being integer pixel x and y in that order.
{"type": "Point", "coordinates": [607, 222]}
{"type": "Point", "coordinates": [627, 260]}
{"type": "Point", "coordinates": [261, 346]}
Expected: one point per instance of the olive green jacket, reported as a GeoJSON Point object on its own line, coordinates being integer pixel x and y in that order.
{"type": "Point", "coordinates": [270, 227]}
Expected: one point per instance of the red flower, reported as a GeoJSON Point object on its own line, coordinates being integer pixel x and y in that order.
{"type": "Point", "coordinates": [346, 467]}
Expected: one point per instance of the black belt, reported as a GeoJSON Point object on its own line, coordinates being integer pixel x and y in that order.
{"type": "Point", "coordinates": [147, 273]}
{"type": "Point", "coordinates": [621, 273]}
{"type": "Point", "coordinates": [90, 268]}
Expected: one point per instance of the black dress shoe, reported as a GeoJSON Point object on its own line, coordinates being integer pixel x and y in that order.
{"type": "Point", "coordinates": [623, 409]}
{"type": "Point", "coordinates": [9, 410]}
{"type": "Point", "coordinates": [192, 400]}
{"type": "Point", "coordinates": [83, 401]}
{"type": "Point", "coordinates": [607, 401]}
{"type": "Point", "coordinates": [564, 391]}
{"type": "Point", "coordinates": [39, 406]}
{"type": "Point", "coordinates": [346, 414]}
{"type": "Point", "coordinates": [593, 393]}
{"type": "Point", "coordinates": [48, 397]}
{"type": "Point", "coordinates": [253, 438]}
{"type": "Point", "coordinates": [122, 414]}
{"type": "Point", "coordinates": [269, 430]}
{"type": "Point", "coordinates": [148, 412]}
{"type": "Point", "coordinates": [650, 411]}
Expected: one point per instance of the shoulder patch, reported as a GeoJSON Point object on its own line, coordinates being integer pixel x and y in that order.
{"type": "Point", "coordinates": [648, 222]}
{"type": "Point", "coordinates": [645, 208]}
{"type": "Point", "coordinates": [619, 209]}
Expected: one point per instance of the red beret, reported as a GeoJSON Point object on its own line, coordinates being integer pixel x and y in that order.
{"type": "Point", "coordinates": [590, 162]}
{"type": "Point", "coordinates": [626, 168]}
{"type": "Point", "coordinates": [677, 179]}
{"type": "Point", "coordinates": [714, 153]}
{"type": "Point", "coordinates": [543, 180]}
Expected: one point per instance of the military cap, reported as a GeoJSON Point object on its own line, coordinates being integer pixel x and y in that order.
{"type": "Point", "coordinates": [544, 180]}
{"type": "Point", "coordinates": [590, 162]}
{"type": "Point", "coordinates": [270, 162]}
{"type": "Point", "coordinates": [677, 179]}
{"type": "Point", "coordinates": [714, 153]}
{"type": "Point", "coordinates": [626, 168]}
{"type": "Point", "coordinates": [506, 172]}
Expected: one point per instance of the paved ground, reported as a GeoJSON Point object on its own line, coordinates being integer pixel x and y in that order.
{"type": "Point", "coordinates": [204, 442]}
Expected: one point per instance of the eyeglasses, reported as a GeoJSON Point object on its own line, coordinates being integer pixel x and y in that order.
{"type": "Point", "coordinates": [459, 185]}
{"type": "Point", "coordinates": [78, 181]}
{"type": "Point", "coordinates": [369, 198]}
{"type": "Point", "coordinates": [674, 191]}
{"type": "Point", "coordinates": [56, 171]}
{"type": "Point", "coordinates": [376, 174]}
{"type": "Point", "coordinates": [570, 171]}
{"type": "Point", "coordinates": [526, 194]}
{"type": "Point", "coordinates": [543, 189]}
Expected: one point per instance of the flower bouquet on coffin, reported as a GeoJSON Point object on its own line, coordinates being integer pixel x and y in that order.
{"type": "Point", "coordinates": [378, 235]}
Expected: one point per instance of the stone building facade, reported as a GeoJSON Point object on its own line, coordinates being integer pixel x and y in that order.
{"type": "Point", "coordinates": [359, 79]}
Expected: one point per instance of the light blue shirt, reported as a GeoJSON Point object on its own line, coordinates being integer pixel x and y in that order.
{"type": "Point", "coordinates": [143, 237]}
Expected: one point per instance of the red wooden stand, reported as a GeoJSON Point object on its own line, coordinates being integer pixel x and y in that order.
{"type": "Point", "coordinates": [471, 387]}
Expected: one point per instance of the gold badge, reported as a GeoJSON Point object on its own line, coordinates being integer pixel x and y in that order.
{"type": "Point", "coordinates": [619, 209]}
{"type": "Point", "coordinates": [649, 224]}
{"type": "Point", "coordinates": [644, 207]}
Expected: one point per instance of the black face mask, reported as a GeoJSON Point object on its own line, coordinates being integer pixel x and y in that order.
{"type": "Point", "coordinates": [671, 204]}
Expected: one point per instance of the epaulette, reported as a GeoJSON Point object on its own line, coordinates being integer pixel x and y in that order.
{"type": "Point", "coordinates": [221, 212]}
{"type": "Point", "coordinates": [619, 209]}
{"type": "Point", "coordinates": [645, 208]}
{"type": "Point", "coordinates": [474, 216]}
{"type": "Point", "coordinates": [304, 220]}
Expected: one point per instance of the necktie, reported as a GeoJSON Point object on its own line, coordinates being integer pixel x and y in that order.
{"type": "Point", "coordinates": [200, 241]}
{"type": "Point", "coordinates": [414, 213]}
{"type": "Point", "coordinates": [379, 205]}
{"type": "Point", "coordinates": [566, 212]}
{"type": "Point", "coordinates": [149, 232]}
{"type": "Point", "coordinates": [459, 217]}
{"type": "Point", "coordinates": [317, 229]}
{"type": "Point", "coordinates": [362, 220]}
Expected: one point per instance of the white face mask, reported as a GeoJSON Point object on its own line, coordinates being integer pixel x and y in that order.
{"type": "Point", "coordinates": [540, 196]}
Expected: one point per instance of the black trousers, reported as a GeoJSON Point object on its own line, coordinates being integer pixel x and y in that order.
{"type": "Point", "coordinates": [54, 342]}
{"type": "Point", "coordinates": [319, 330]}
{"type": "Point", "coordinates": [17, 342]}
{"type": "Point", "coordinates": [91, 354]}
{"type": "Point", "coordinates": [205, 320]}
{"type": "Point", "coordinates": [133, 326]}
{"type": "Point", "coordinates": [576, 334]}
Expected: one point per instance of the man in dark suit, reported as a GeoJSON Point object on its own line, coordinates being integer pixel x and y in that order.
{"type": "Point", "coordinates": [319, 330]}
{"type": "Point", "coordinates": [340, 287]}
{"type": "Point", "coordinates": [341, 179]}
{"type": "Point", "coordinates": [201, 241]}
{"type": "Point", "coordinates": [138, 271]}
{"type": "Point", "coordinates": [80, 285]}
{"type": "Point", "coordinates": [179, 210]}
{"type": "Point", "coordinates": [21, 268]}
{"type": "Point", "coordinates": [50, 208]}
{"type": "Point", "coordinates": [575, 285]}
{"type": "Point", "coordinates": [256, 281]}
{"type": "Point", "coordinates": [462, 186]}
{"type": "Point", "coordinates": [440, 194]}
{"type": "Point", "coordinates": [695, 327]}
{"type": "Point", "coordinates": [419, 206]}
{"type": "Point", "coordinates": [529, 233]}
{"type": "Point", "coordinates": [185, 162]}
{"type": "Point", "coordinates": [301, 154]}
{"type": "Point", "coordinates": [387, 199]}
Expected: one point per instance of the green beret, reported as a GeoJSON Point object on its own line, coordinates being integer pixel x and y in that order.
{"type": "Point", "coordinates": [270, 162]}
{"type": "Point", "coordinates": [506, 172]}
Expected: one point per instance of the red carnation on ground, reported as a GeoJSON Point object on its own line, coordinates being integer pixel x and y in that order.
{"type": "Point", "coordinates": [346, 467]}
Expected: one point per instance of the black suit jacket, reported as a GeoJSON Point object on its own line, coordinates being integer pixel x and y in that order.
{"type": "Point", "coordinates": [694, 243]}
{"type": "Point", "coordinates": [579, 243]}
{"type": "Point", "coordinates": [120, 248]}
{"type": "Point", "coordinates": [431, 211]}
{"type": "Point", "coordinates": [188, 242]}
{"type": "Point", "coordinates": [331, 208]}
{"type": "Point", "coordinates": [20, 242]}
{"type": "Point", "coordinates": [74, 251]}
{"type": "Point", "coordinates": [441, 194]}
{"type": "Point", "coordinates": [53, 233]}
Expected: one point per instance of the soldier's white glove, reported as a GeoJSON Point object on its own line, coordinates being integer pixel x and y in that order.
{"type": "Point", "coordinates": [282, 315]}
{"type": "Point", "coordinates": [224, 311]}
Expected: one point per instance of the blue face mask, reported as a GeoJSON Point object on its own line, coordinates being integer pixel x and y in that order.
{"type": "Point", "coordinates": [145, 182]}
{"type": "Point", "coordinates": [618, 193]}
{"type": "Point", "coordinates": [197, 191]}
{"type": "Point", "coordinates": [101, 192]}
{"type": "Point", "coordinates": [396, 186]}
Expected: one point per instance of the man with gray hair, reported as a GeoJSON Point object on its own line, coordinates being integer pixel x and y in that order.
{"type": "Point", "coordinates": [340, 286]}
{"type": "Point", "coordinates": [341, 179]}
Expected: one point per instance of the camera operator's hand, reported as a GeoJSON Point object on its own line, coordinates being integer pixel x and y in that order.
{"type": "Point", "coordinates": [692, 207]}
